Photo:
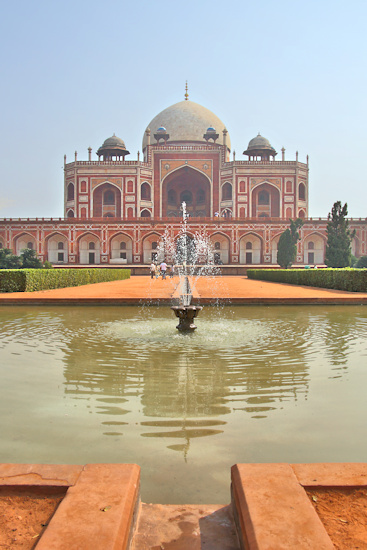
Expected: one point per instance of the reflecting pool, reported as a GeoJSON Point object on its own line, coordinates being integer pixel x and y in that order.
{"type": "Point", "coordinates": [120, 384]}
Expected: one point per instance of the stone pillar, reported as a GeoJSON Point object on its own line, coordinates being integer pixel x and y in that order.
{"type": "Point", "coordinates": [283, 154]}
{"type": "Point", "coordinates": [89, 153]}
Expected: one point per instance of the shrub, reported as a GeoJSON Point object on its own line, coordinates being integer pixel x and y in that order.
{"type": "Point", "coordinates": [28, 280]}
{"type": "Point", "coordinates": [352, 280]}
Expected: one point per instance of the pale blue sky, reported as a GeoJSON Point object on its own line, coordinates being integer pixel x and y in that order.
{"type": "Point", "coordinates": [73, 73]}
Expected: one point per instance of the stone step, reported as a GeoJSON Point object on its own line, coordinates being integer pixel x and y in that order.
{"type": "Point", "coordinates": [185, 527]}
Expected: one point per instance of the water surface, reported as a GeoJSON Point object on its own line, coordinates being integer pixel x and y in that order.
{"type": "Point", "coordinates": [119, 384]}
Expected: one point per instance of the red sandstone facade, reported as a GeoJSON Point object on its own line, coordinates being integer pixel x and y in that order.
{"type": "Point", "coordinates": [116, 211]}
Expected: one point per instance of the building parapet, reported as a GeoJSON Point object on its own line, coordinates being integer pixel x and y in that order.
{"type": "Point", "coordinates": [107, 163]}
{"type": "Point", "coordinates": [193, 220]}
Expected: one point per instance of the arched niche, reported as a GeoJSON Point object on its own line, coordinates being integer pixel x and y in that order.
{"type": "Point", "coordinates": [265, 200]}
{"type": "Point", "coordinates": [57, 249]}
{"type": "Point", "coordinates": [314, 246]}
{"type": "Point", "coordinates": [107, 201]}
{"type": "Point", "coordinates": [250, 249]}
{"type": "Point", "coordinates": [221, 246]}
{"type": "Point", "coordinates": [24, 241]}
{"type": "Point", "coordinates": [70, 192]}
{"type": "Point", "coordinates": [189, 185]}
{"type": "Point", "coordinates": [145, 192]}
{"type": "Point", "coordinates": [121, 249]}
{"type": "Point", "coordinates": [89, 249]}
{"type": "Point", "coordinates": [150, 247]}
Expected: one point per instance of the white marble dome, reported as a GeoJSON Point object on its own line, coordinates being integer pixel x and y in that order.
{"type": "Point", "coordinates": [186, 121]}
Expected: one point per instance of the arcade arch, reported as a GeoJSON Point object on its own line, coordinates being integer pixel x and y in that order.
{"type": "Point", "coordinates": [250, 249]}
{"type": "Point", "coordinates": [221, 248]}
{"type": "Point", "coordinates": [145, 192]}
{"type": "Point", "coordinates": [189, 185]}
{"type": "Point", "coordinates": [150, 248]}
{"type": "Point", "coordinates": [265, 201]}
{"type": "Point", "coordinates": [57, 249]}
{"type": "Point", "coordinates": [107, 201]}
{"type": "Point", "coordinates": [314, 249]}
{"type": "Point", "coordinates": [121, 249]}
{"type": "Point", "coordinates": [25, 241]}
{"type": "Point", "coordinates": [89, 249]}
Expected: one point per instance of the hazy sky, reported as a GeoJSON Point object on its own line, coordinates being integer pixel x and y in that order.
{"type": "Point", "coordinates": [73, 73]}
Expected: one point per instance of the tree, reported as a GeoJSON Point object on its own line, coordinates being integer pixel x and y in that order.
{"type": "Point", "coordinates": [8, 260]}
{"type": "Point", "coordinates": [339, 237]}
{"type": "Point", "coordinates": [362, 262]}
{"type": "Point", "coordinates": [287, 245]}
{"type": "Point", "coordinates": [29, 259]}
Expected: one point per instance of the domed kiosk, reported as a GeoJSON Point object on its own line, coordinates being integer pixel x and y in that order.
{"type": "Point", "coordinates": [187, 122]}
{"type": "Point", "coordinates": [260, 147]}
{"type": "Point", "coordinates": [113, 148]}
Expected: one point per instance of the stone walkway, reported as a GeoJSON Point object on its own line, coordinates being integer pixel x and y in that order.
{"type": "Point", "coordinates": [235, 289]}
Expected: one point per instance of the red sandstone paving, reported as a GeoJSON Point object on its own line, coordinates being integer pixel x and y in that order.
{"type": "Point", "coordinates": [142, 287]}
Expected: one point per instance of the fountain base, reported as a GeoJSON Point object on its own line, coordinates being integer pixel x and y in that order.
{"type": "Point", "coordinates": [186, 316]}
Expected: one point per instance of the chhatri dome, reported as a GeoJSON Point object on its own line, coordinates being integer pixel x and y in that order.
{"type": "Point", "coordinates": [187, 121]}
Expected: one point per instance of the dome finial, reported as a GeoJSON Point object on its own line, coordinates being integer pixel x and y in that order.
{"type": "Point", "coordinates": [186, 92]}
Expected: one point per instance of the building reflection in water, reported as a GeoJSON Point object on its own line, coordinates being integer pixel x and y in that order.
{"type": "Point", "coordinates": [188, 387]}
{"type": "Point", "coordinates": [139, 373]}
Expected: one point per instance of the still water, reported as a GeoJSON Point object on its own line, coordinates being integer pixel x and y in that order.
{"type": "Point", "coordinates": [119, 384]}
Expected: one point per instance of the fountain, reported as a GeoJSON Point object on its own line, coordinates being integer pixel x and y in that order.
{"type": "Point", "coordinates": [192, 257]}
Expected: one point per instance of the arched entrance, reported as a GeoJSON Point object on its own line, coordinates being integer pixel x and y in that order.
{"type": "Point", "coordinates": [89, 249]}
{"type": "Point", "coordinates": [314, 249]}
{"type": "Point", "coordinates": [250, 249]}
{"type": "Point", "coordinates": [107, 201]}
{"type": "Point", "coordinates": [265, 201]}
{"type": "Point", "coordinates": [121, 249]}
{"type": "Point", "coordinates": [189, 186]}
{"type": "Point", "coordinates": [57, 249]}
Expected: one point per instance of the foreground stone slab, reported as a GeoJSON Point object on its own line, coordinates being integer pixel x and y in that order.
{"type": "Point", "coordinates": [191, 527]}
{"type": "Point", "coordinates": [273, 511]}
{"type": "Point", "coordinates": [98, 510]}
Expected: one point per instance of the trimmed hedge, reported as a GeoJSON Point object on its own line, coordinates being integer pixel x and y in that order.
{"type": "Point", "coordinates": [28, 280]}
{"type": "Point", "coordinates": [352, 280]}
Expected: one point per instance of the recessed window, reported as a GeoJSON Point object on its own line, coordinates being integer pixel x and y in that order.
{"type": "Point", "coordinates": [60, 245]}
{"type": "Point", "coordinates": [311, 245]}
{"type": "Point", "coordinates": [249, 245]}
{"type": "Point", "coordinates": [91, 246]}
{"type": "Point", "coordinates": [145, 191]}
{"type": "Point", "coordinates": [154, 245]}
{"type": "Point", "coordinates": [172, 197]}
{"type": "Point", "coordinates": [264, 197]}
{"type": "Point", "coordinates": [70, 192]}
{"type": "Point", "coordinates": [122, 245]}
{"type": "Point", "coordinates": [227, 192]}
{"type": "Point", "coordinates": [30, 245]}
{"type": "Point", "coordinates": [217, 245]}
{"type": "Point", "coordinates": [201, 196]}
{"type": "Point", "coordinates": [109, 197]}
{"type": "Point", "coordinates": [186, 196]}
{"type": "Point", "coordinates": [302, 191]}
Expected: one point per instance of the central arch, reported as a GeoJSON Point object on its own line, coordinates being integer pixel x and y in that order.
{"type": "Point", "coordinates": [188, 185]}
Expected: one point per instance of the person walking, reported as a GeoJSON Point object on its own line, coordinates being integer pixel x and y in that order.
{"type": "Point", "coordinates": [163, 268]}
{"type": "Point", "coordinates": [153, 268]}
